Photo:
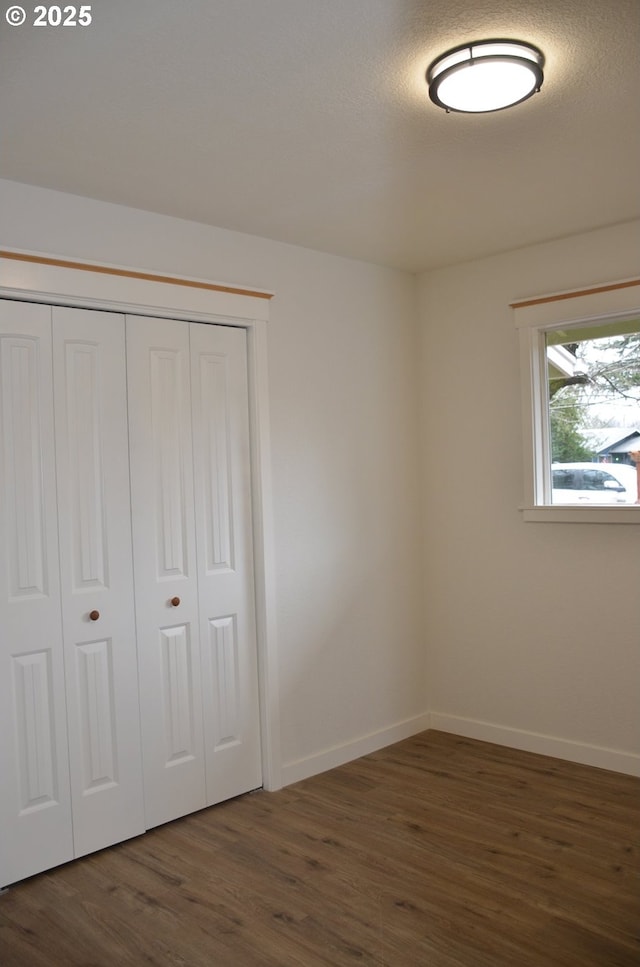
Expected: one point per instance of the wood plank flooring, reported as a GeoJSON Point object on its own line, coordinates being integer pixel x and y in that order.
{"type": "Point", "coordinates": [435, 852]}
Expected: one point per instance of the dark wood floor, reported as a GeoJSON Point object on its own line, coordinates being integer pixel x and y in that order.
{"type": "Point", "coordinates": [438, 851]}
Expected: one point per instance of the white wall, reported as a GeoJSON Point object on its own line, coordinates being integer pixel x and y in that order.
{"type": "Point", "coordinates": [532, 627]}
{"type": "Point", "coordinates": [343, 362]}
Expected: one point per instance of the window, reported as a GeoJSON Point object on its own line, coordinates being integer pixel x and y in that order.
{"type": "Point", "coordinates": [580, 356]}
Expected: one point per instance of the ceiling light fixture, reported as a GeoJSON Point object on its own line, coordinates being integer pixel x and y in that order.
{"type": "Point", "coordinates": [487, 75]}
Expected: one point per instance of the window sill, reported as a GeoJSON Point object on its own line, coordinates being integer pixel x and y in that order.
{"type": "Point", "coordinates": [594, 514]}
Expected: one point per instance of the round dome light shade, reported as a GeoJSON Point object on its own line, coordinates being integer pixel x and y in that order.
{"type": "Point", "coordinates": [488, 75]}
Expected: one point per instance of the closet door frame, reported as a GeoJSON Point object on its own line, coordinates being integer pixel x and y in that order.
{"type": "Point", "coordinates": [47, 279]}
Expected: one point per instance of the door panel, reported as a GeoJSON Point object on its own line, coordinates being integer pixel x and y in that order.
{"type": "Point", "coordinates": [35, 808]}
{"type": "Point", "coordinates": [168, 398]}
{"type": "Point", "coordinates": [224, 685]}
{"type": "Point", "coordinates": [97, 577]}
{"type": "Point", "coordinates": [35, 730]}
{"type": "Point", "coordinates": [177, 678]}
{"type": "Point", "coordinates": [222, 477]}
{"type": "Point", "coordinates": [211, 407]}
{"type": "Point", "coordinates": [80, 368]}
{"type": "Point", "coordinates": [97, 719]}
{"type": "Point", "coordinates": [165, 567]}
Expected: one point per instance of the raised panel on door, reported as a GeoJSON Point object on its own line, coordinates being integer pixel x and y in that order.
{"type": "Point", "coordinates": [35, 807]}
{"type": "Point", "coordinates": [222, 475]}
{"type": "Point", "coordinates": [165, 567]}
{"type": "Point", "coordinates": [97, 577]}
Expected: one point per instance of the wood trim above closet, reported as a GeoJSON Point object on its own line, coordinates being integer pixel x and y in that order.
{"type": "Point", "coordinates": [130, 274]}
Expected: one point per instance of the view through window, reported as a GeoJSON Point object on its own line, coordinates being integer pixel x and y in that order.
{"type": "Point", "coordinates": [594, 412]}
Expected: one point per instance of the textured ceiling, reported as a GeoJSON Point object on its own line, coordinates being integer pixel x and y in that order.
{"type": "Point", "coordinates": [308, 121]}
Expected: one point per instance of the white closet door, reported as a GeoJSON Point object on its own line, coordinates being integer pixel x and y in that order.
{"type": "Point", "coordinates": [222, 475]}
{"type": "Point", "coordinates": [165, 567]}
{"type": "Point", "coordinates": [97, 577]}
{"type": "Point", "coordinates": [35, 812]}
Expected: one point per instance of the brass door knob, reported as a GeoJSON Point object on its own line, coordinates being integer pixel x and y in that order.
{"type": "Point", "coordinates": [175, 601]}
{"type": "Point", "coordinates": [94, 615]}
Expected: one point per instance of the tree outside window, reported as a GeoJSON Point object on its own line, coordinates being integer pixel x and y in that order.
{"type": "Point", "coordinates": [594, 393]}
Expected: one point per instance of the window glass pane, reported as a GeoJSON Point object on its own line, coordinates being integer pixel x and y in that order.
{"type": "Point", "coordinates": [594, 412]}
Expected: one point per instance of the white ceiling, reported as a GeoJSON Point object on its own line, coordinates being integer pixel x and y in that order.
{"type": "Point", "coordinates": [308, 121]}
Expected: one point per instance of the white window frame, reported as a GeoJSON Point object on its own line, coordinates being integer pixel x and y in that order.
{"type": "Point", "coordinates": [615, 301]}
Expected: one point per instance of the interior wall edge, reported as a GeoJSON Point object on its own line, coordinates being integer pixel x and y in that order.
{"type": "Point", "coordinates": [338, 755]}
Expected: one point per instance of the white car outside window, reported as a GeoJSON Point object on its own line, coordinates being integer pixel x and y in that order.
{"type": "Point", "coordinates": [594, 483]}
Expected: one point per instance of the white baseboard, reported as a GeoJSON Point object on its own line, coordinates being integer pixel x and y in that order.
{"type": "Point", "coordinates": [589, 755]}
{"type": "Point", "coordinates": [337, 755]}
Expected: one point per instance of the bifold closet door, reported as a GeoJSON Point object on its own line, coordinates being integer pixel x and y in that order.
{"type": "Point", "coordinates": [224, 549]}
{"type": "Point", "coordinates": [96, 570]}
{"type": "Point", "coordinates": [70, 741]}
{"type": "Point", "coordinates": [165, 568]}
{"type": "Point", "coordinates": [35, 807]}
{"type": "Point", "coordinates": [190, 476]}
